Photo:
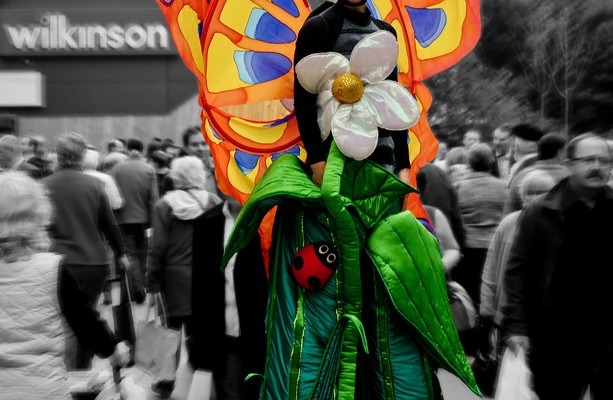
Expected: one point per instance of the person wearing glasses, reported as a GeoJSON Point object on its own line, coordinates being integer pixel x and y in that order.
{"type": "Point", "coordinates": [558, 279]}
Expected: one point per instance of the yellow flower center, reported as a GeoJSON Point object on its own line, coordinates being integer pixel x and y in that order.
{"type": "Point", "coordinates": [347, 88]}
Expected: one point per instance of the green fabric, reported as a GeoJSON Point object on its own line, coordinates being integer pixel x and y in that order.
{"type": "Point", "coordinates": [407, 258]}
{"type": "Point", "coordinates": [349, 210]}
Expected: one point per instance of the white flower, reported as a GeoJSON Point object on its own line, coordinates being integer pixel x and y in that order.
{"type": "Point", "coordinates": [353, 96]}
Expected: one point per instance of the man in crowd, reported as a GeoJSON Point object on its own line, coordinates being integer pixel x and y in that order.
{"type": "Point", "coordinates": [525, 141]}
{"type": "Point", "coordinates": [502, 150]}
{"type": "Point", "coordinates": [82, 226]}
{"type": "Point", "coordinates": [558, 280]}
{"type": "Point", "coordinates": [138, 186]}
{"type": "Point", "coordinates": [11, 157]}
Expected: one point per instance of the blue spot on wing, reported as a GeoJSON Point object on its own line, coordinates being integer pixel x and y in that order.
{"type": "Point", "coordinates": [281, 120]}
{"type": "Point", "coordinates": [264, 27]}
{"type": "Point", "coordinates": [294, 150]}
{"type": "Point", "coordinates": [288, 5]}
{"type": "Point", "coordinates": [428, 23]}
{"type": "Point", "coordinates": [246, 162]}
{"type": "Point", "coordinates": [256, 68]}
{"type": "Point", "coordinates": [374, 11]}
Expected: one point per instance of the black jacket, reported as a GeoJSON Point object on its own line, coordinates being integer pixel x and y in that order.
{"type": "Point", "coordinates": [208, 298]}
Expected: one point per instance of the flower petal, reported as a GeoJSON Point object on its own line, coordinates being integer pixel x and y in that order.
{"type": "Point", "coordinates": [375, 56]}
{"type": "Point", "coordinates": [392, 105]}
{"type": "Point", "coordinates": [355, 130]}
{"type": "Point", "coordinates": [314, 70]}
{"type": "Point", "coordinates": [327, 106]}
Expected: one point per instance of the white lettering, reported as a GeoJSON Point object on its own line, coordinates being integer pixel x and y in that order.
{"type": "Point", "coordinates": [136, 37]}
{"type": "Point", "coordinates": [117, 38]}
{"type": "Point", "coordinates": [23, 37]}
{"type": "Point", "coordinates": [55, 32]}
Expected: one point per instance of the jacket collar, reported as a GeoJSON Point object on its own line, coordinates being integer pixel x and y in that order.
{"type": "Point", "coordinates": [555, 198]}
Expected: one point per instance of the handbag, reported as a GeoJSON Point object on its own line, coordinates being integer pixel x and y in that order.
{"type": "Point", "coordinates": [462, 306]}
{"type": "Point", "coordinates": [515, 378]}
{"type": "Point", "coordinates": [157, 345]}
{"type": "Point", "coordinates": [123, 319]}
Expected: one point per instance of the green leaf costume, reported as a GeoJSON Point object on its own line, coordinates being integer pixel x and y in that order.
{"type": "Point", "coordinates": [382, 325]}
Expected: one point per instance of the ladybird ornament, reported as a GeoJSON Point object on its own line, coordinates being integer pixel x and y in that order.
{"type": "Point", "coordinates": [314, 265]}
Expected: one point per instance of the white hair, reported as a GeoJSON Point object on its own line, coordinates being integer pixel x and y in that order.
{"type": "Point", "coordinates": [25, 212]}
{"type": "Point", "coordinates": [188, 173]}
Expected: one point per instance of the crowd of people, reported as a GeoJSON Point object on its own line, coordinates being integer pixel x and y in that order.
{"type": "Point", "coordinates": [67, 230]}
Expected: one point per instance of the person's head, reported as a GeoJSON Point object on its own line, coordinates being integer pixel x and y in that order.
{"type": "Point", "coordinates": [551, 146]}
{"type": "Point", "coordinates": [534, 184]}
{"type": "Point", "coordinates": [111, 160]}
{"type": "Point", "coordinates": [70, 149]}
{"type": "Point", "coordinates": [187, 173]}
{"type": "Point", "coordinates": [525, 140]}
{"type": "Point", "coordinates": [29, 145]}
{"type": "Point", "coordinates": [10, 151]}
{"type": "Point", "coordinates": [502, 139]}
{"type": "Point", "coordinates": [166, 143]}
{"type": "Point", "coordinates": [441, 152]}
{"type": "Point", "coordinates": [115, 146]}
{"type": "Point", "coordinates": [159, 159]}
{"type": "Point", "coordinates": [194, 143]}
{"type": "Point", "coordinates": [480, 158]}
{"type": "Point", "coordinates": [456, 156]}
{"type": "Point", "coordinates": [91, 160]}
{"type": "Point", "coordinates": [471, 137]}
{"type": "Point", "coordinates": [152, 147]}
{"type": "Point", "coordinates": [135, 147]}
{"type": "Point", "coordinates": [588, 158]}
{"type": "Point", "coordinates": [25, 212]}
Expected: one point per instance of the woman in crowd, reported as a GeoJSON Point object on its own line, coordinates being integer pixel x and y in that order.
{"type": "Point", "coordinates": [35, 293]}
{"type": "Point", "coordinates": [170, 271]}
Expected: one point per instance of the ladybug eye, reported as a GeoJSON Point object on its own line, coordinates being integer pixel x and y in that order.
{"type": "Point", "coordinates": [323, 249]}
{"type": "Point", "coordinates": [331, 258]}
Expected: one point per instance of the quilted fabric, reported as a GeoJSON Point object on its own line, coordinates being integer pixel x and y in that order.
{"type": "Point", "coordinates": [31, 334]}
{"type": "Point", "coordinates": [354, 200]}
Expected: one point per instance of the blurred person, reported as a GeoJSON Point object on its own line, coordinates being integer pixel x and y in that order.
{"type": "Point", "coordinates": [481, 198]}
{"type": "Point", "coordinates": [172, 151]}
{"type": "Point", "coordinates": [90, 167]}
{"type": "Point", "coordinates": [159, 161]}
{"type": "Point", "coordinates": [471, 137]}
{"type": "Point", "coordinates": [138, 186]}
{"type": "Point", "coordinates": [442, 195]}
{"type": "Point", "coordinates": [152, 147]}
{"type": "Point", "coordinates": [37, 293]}
{"type": "Point", "coordinates": [110, 160]}
{"type": "Point", "coordinates": [441, 154]}
{"type": "Point", "coordinates": [558, 280]}
{"type": "Point", "coordinates": [38, 158]}
{"type": "Point", "coordinates": [11, 157]}
{"type": "Point", "coordinates": [195, 145]}
{"type": "Point", "coordinates": [450, 249]}
{"type": "Point", "coordinates": [456, 164]}
{"type": "Point", "coordinates": [171, 267]}
{"type": "Point", "coordinates": [28, 147]}
{"type": "Point", "coordinates": [82, 225]}
{"type": "Point", "coordinates": [115, 146]}
{"type": "Point", "coordinates": [51, 160]}
{"type": "Point", "coordinates": [550, 155]}
{"type": "Point", "coordinates": [503, 142]}
{"type": "Point", "coordinates": [492, 295]}
{"type": "Point", "coordinates": [525, 143]}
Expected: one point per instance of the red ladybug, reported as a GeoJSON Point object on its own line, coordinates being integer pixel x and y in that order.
{"type": "Point", "coordinates": [314, 264]}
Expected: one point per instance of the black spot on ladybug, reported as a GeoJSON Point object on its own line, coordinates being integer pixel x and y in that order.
{"type": "Point", "coordinates": [298, 263]}
{"type": "Point", "coordinates": [314, 282]}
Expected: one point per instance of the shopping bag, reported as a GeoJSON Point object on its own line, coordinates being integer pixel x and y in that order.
{"type": "Point", "coordinates": [202, 385]}
{"type": "Point", "coordinates": [156, 344]}
{"type": "Point", "coordinates": [462, 307]}
{"type": "Point", "coordinates": [515, 378]}
{"type": "Point", "coordinates": [123, 319]}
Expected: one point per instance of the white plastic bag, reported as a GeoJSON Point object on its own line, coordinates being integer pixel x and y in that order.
{"type": "Point", "coordinates": [514, 378]}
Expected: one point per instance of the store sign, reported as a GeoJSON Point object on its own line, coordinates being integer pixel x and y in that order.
{"type": "Point", "coordinates": [81, 32]}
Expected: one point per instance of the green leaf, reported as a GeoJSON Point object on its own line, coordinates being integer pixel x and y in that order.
{"type": "Point", "coordinates": [408, 260]}
{"type": "Point", "coordinates": [284, 180]}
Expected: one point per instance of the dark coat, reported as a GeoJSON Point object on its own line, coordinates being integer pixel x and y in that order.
{"type": "Point", "coordinates": [208, 300]}
{"type": "Point", "coordinates": [551, 281]}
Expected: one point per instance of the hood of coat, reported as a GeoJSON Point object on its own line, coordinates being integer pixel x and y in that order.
{"type": "Point", "coordinates": [190, 204]}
